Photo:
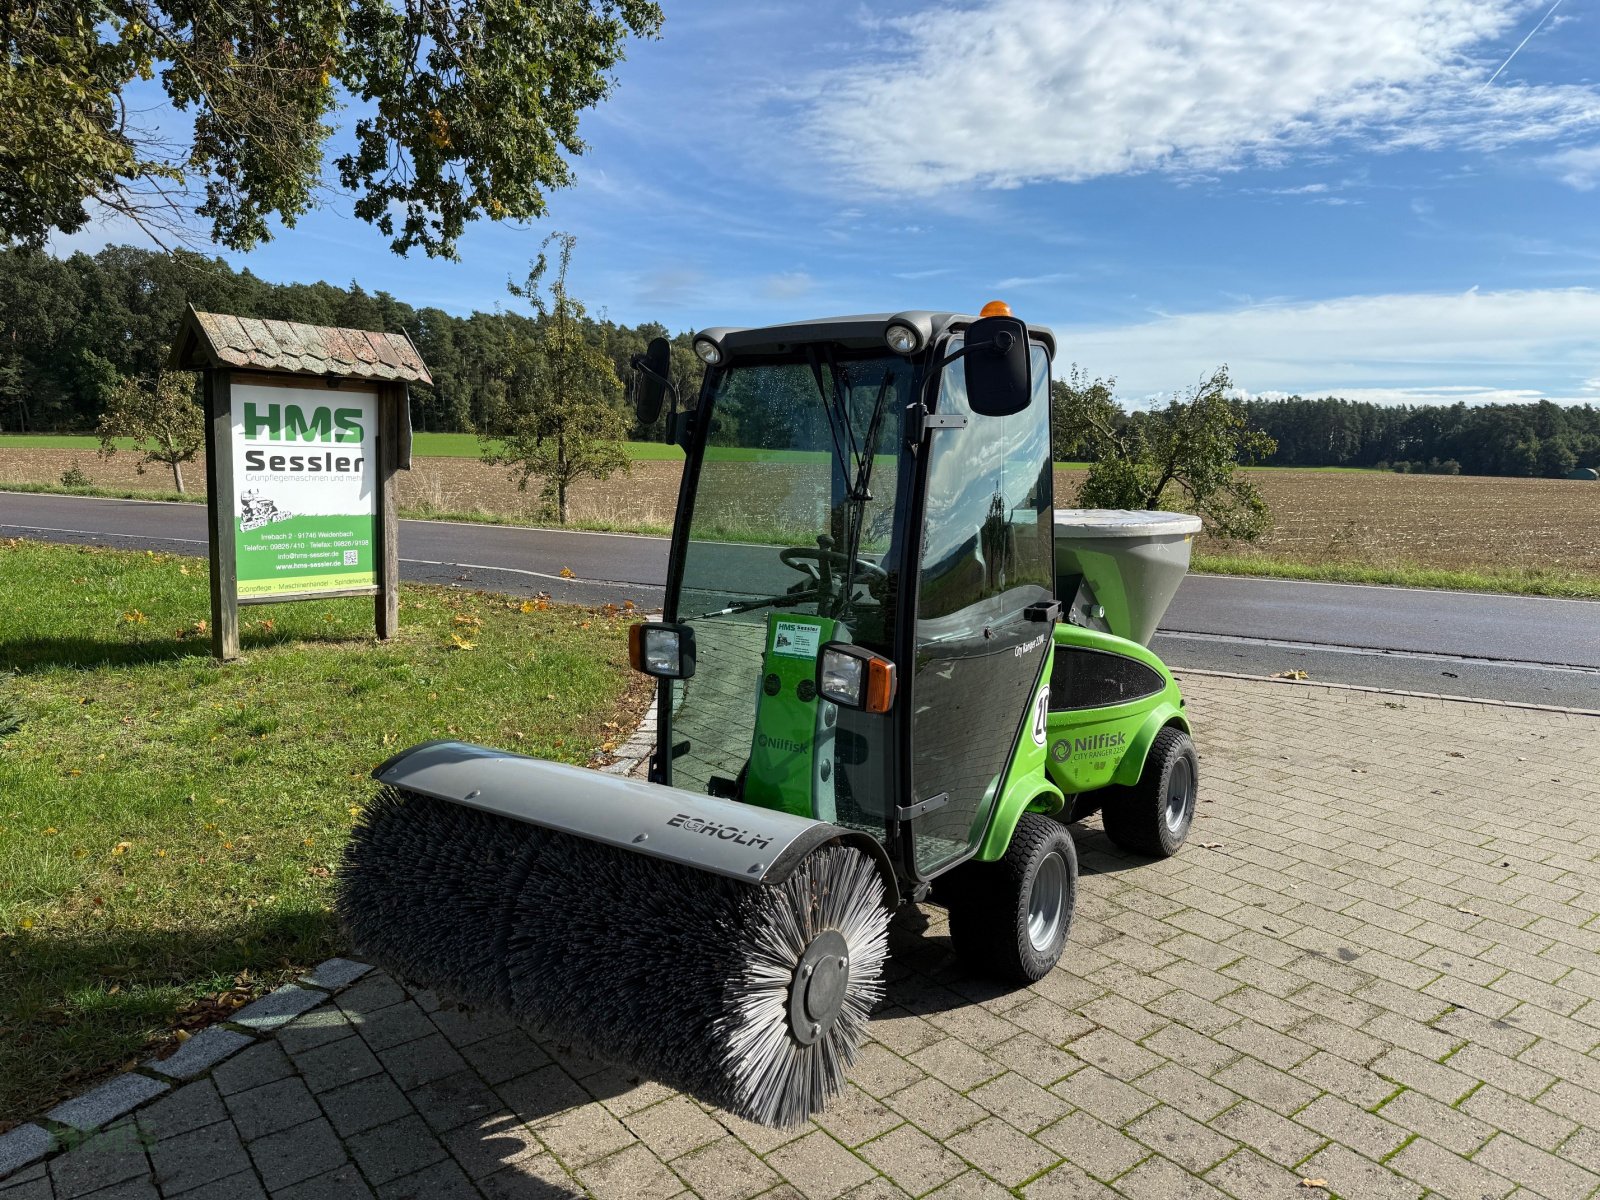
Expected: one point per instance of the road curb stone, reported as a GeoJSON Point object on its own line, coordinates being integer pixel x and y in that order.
{"type": "Point", "coordinates": [102, 1105]}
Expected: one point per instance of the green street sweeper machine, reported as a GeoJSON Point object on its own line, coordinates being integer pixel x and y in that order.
{"type": "Point", "coordinates": [888, 670]}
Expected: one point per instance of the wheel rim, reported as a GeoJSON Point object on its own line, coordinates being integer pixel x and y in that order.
{"type": "Point", "coordinates": [1046, 901]}
{"type": "Point", "coordinates": [1180, 782]}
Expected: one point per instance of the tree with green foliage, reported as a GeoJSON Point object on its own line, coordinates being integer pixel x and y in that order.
{"type": "Point", "coordinates": [1194, 445]}
{"type": "Point", "coordinates": [164, 422]}
{"type": "Point", "coordinates": [561, 417]}
{"type": "Point", "coordinates": [463, 109]}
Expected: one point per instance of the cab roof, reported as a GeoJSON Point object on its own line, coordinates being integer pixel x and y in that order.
{"type": "Point", "coordinates": [864, 331]}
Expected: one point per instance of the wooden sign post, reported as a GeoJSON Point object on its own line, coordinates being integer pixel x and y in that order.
{"type": "Point", "coordinates": [306, 427]}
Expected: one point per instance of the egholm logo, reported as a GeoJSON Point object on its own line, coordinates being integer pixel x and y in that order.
{"type": "Point", "coordinates": [723, 833]}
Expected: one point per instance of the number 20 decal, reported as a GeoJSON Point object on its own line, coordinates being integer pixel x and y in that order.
{"type": "Point", "coordinates": [1041, 714]}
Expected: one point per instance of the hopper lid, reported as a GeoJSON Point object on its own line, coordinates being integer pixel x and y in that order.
{"type": "Point", "coordinates": [1123, 523]}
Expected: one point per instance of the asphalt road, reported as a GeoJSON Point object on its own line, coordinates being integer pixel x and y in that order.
{"type": "Point", "coordinates": [1527, 649]}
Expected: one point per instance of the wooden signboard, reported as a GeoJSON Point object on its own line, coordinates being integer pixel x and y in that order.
{"type": "Point", "coordinates": [301, 464]}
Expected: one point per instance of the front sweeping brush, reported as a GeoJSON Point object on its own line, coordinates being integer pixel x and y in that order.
{"type": "Point", "coordinates": [754, 998]}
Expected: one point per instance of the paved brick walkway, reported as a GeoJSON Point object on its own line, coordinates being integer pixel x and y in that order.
{"type": "Point", "coordinates": [1374, 965]}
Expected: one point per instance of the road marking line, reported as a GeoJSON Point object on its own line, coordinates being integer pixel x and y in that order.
{"type": "Point", "coordinates": [1379, 652]}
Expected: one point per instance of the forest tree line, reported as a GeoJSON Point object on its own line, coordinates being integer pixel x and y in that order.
{"type": "Point", "coordinates": [73, 330]}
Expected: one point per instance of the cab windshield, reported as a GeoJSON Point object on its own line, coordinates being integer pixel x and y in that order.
{"type": "Point", "coordinates": [793, 514]}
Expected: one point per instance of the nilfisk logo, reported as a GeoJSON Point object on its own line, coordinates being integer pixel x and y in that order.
{"type": "Point", "coordinates": [723, 833]}
{"type": "Point", "coordinates": [767, 742]}
{"type": "Point", "coordinates": [1067, 747]}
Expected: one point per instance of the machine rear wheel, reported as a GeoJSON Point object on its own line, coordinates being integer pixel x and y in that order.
{"type": "Point", "coordinates": [1154, 815]}
{"type": "Point", "coordinates": [1010, 918]}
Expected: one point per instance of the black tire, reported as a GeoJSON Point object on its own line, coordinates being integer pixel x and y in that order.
{"type": "Point", "coordinates": [1154, 816]}
{"type": "Point", "coordinates": [991, 904]}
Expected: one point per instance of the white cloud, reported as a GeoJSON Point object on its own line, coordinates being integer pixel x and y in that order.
{"type": "Point", "coordinates": [786, 285]}
{"type": "Point", "coordinates": [1509, 344]}
{"type": "Point", "coordinates": [1577, 168]}
{"type": "Point", "coordinates": [1014, 91]}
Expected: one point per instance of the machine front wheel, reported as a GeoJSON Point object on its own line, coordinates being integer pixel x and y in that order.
{"type": "Point", "coordinates": [1010, 918]}
{"type": "Point", "coordinates": [1154, 815]}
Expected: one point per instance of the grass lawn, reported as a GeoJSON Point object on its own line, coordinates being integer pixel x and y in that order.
{"type": "Point", "coordinates": [169, 826]}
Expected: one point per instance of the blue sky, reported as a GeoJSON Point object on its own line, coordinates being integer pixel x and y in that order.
{"type": "Point", "coordinates": [1328, 195]}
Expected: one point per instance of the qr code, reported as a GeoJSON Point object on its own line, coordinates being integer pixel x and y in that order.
{"type": "Point", "coordinates": [349, 558]}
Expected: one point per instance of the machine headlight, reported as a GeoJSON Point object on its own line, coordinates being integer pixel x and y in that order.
{"type": "Point", "coordinates": [710, 353]}
{"type": "Point", "coordinates": [902, 339]}
{"type": "Point", "coordinates": [852, 677]}
{"type": "Point", "coordinates": [661, 650]}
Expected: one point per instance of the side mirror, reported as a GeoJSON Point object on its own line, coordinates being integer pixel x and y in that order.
{"type": "Point", "coordinates": [998, 367]}
{"type": "Point", "coordinates": [650, 380]}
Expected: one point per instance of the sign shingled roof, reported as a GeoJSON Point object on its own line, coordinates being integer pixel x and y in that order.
{"type": "Point", "coordinates": [223, 340]}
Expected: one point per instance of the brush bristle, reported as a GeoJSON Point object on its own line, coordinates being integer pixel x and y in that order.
{"type": "Point", "coordinates": [679, 974]}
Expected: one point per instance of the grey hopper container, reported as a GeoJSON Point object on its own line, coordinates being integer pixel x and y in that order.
{"type": "Point", "coordinates": [1117, 570]}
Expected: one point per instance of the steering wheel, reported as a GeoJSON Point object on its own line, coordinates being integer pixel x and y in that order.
{"type": "Point", "coordinates": [802, 558]}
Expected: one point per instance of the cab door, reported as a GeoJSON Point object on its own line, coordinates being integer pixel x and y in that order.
{"type": "Point", "coordinates": [987, 555]}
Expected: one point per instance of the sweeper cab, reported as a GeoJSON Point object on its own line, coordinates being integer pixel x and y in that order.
{"type": "Point", "coordinates": [888, 669]}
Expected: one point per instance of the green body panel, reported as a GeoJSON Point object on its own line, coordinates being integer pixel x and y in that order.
{"type": "Point", "coordinates": [794, 733]}
{"type": "Point", "coordinates": [1082, 749]}
{"type": "Point", "coordinates": [1093, 747]}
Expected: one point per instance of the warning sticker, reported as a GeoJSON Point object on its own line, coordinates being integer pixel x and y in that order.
{"type": "Point", "coordinates": [794, 639]}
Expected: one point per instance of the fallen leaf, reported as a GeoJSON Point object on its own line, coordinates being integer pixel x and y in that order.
{"type": "Point", "coordinates": [1454, 754]}
{"type": "Point", "coordinates": [1291, 674]}
{"type": "Point", "coordinates": [566, 572]}
{"type": "Point", "coordinates": [1311, 1183]}
{"type": "Point", "coordinates": [183, 1035]}
{"type": "Point", "coordinates": [121, 848]}
{"type": "Point", "coordinates": [1211, 845]}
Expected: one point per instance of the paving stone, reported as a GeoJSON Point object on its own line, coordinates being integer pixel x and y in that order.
{"type": "Point", "coordinates": [298, 1153]}
{"type": "Point", "coordinates": [1533, 1168]}
{"type": "Point", "coordinates": [336, 973]}
{"type": "Point", "coordinates": [252, 1067]}
{"type": "Point", "coordinates": [538, 1178]}
{"type": "Point", "coordinates": [631, 1174]}
{"type": "Point", "coordinates": [1340, 1121]}
{"type": "Point", "coordinates": [1245, 1175]}
{"type": "Point", "coordinates": [396, 1149]}
{"type": "Point", "coordinates": [1158, 1179]}
{"type": "Point", "coordinates": [912, 1159]}
{"type": "Point", "coordinates": [1438, 1170]}
{"type": "Point", "coordinates": [468, 1027]}
{"type": "Point", "coordinates": [334, 1064]}
{"type": "Point", "coordinates": [971, 1186]}
{"type": "Point", "coordinates": [1537, 1126]}
{"type": "Point", "coordinates": [504, 1057]}
{"type": "Point", "coordinates": [198, 1156]}
{"type": "Point", "coordinates": [1273, 1088]}
{"type": "Point", "coordinates": [243, 1186]}
{"type": "Point", "coordinates": [725, 1170]}
{"type": "Point", "coordinates": [1187, 1142]}
{"type": "Point", "coordinates": [1002, 1152]}
{"type": "Point", "coordinates": [1451, 1128]}
{"type": "Point", "coordinates": [1092, 1145]}
{"type": "Point", "coordinates": [27, 1184]}
{"type": "Point", "coordinates": [191, 1106]}
{"type": "Point", "coordinates": [1109, 1099]}
{"type": "Point", "coordinates": [582, 1134]}
{"type": "Point", "coordinates": [341, 1183]}
{"type": "Point", "coordinates": [442, 1181]}
{"type": "Point", "coordinates": [818, 1167]}
{"type": "Point", "coordinates": [1275, 1138]}
{"type": "Point", "coordinates": [880, 1072]}
{"type": "Point", "coordinates": [109, 1157]}
{"type": "Point", "coordinates": [23, 1145]}
{"type": "Point", "coordinates": [104, 1104]}
{"type": "Point", "coordinates": [271, 1107]}
{"type": "Point", "coordinates": [200, 1053]}
{"type": "Point", "coordinates": [1033, 1058]}
{"type": "Point", "coordinates": [395, 1026]}
{"type": "Point", "coordinates": [1348, 1174]}
{"type": "Point", "coordinates": [323, 1024]}
{"type": "Point", "coordinates": [364, 1104]}
{"type": "Point", "coordinates": [374, 991]}
{"type": "Point", "coordinates": [1020, 1102]}
{"type": "Point", "coordinates": [1186, 1091]}
{"type": "Point", "coordinates": [1067, 1182]}
{"type": "Point", "coordinates": [277, 1008]}
{"type": "Point", "coordinates": [852, 1117]}
{"type": "Point", "coordinates": [454, 1100]}
{"type": "Point", "coordinates": [137, 1189]}
{"type": "Point", "coordinates": [935, 1108]}
{"type": "Point", "coordinates": [490, 1143]}
{"type": "Point", "coordinates": [1114, 1054]}
{"type": "Point", "coordinates": [422, 1061]}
